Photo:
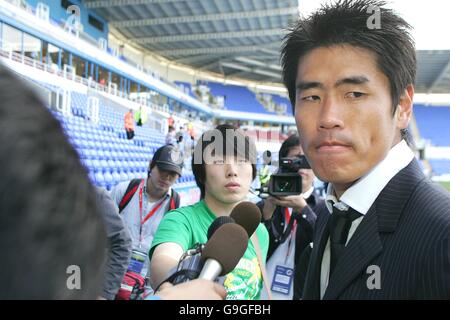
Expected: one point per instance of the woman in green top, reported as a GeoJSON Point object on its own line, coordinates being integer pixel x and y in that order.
{"type": "Point", "coordinates": [224, 167]}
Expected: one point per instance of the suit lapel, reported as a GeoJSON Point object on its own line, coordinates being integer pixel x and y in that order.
{"type": "Point", "coordinates": [312, 282]}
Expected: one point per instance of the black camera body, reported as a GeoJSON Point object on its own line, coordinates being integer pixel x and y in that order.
{"type": "Point", "coordinates": [287, 182]}
{"type": "Point", "coordinates": [189, 266]}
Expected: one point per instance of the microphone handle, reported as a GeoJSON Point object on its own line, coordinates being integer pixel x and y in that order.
{"type": "Point", "coordinates": [211, 270]}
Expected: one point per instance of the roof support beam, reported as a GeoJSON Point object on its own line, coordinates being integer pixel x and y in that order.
{"type": "Point", "coordinates": [251, 70]}
{"type": "Point", "coordinates": [210, 36]}
{"type": "Point", "coordinates": [206, 17]}
{"type": "Point", "coordinates": [444, 73]}
{"type": "Point", "coordinates": [209, 65]}
{"type": "Point", "coordinates": [217, 50]}
{"type": "Point", "coordinates": [120, 3]}
{"type": "Point", "coordinates": [271, 52]}
{"type": "Point", "coordinates": [258, 63]}
{"type": "Point", "coordinates": [191, 59]}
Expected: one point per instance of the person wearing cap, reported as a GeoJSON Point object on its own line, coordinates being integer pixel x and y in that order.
{"type": "Point", "coordinates": [144, 202]}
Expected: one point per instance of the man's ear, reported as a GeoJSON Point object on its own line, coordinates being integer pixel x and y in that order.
{"type": "Point", "coordinates": [403, 113]}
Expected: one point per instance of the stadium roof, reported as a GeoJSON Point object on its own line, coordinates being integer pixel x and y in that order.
{"type": "Point", "coordinates": [433, 71]}
{"type": "Point", "coordinates": [231, 37]}
{"type": "Point", "coordinates": [234, 38]}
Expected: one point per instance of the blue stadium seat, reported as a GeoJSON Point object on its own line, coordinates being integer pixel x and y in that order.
{"type": "Point", "coordinates": [108, 177]}
{"type": "Point", "coordinates": [123, 175]}
{"type": "Point", "coordinates": [99, 178]}
{"type": "Point", "coordinates": [440, 166]}
{"type": "Point", "coordinates": [238, 98]}
{"type": "Point", "coordinates": [115, 175]}
{"type": "Point", "coordinates": [433, 123]}
{"type": "Point", "coordinates": [112, 164]}
{"type": "Point", "coordinates": [104, 164]}
{"type": "Point", "coordinates": [96, 163]}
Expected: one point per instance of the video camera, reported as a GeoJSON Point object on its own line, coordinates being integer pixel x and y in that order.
{"type": "Point", "coordinates": [287, 181]}
{"type": "Point", "coordinates": [189, 266]}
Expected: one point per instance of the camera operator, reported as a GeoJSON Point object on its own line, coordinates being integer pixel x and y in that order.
{"type": "Point", "coordinates": [290, 222]}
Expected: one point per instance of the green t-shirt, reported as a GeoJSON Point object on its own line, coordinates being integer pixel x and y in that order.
{"type": "Point", "coordinates": [189, 225]}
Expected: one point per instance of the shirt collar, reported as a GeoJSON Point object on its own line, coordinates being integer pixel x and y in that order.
{"type": "Point", "coordinates": [308, 193]}
{"type": "Point", "coordinates": [361, 195]}
{"type": "Point", "coordinates": [167, 195]}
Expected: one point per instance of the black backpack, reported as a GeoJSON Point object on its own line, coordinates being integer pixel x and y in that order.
{"type": "Point", "coordinates": [132, 188]}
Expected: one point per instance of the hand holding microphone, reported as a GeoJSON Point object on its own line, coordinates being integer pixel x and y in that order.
{"type": "Point", "coordinates": [191, 263]}
{"type": "Point", "coordinates": [223, 251]}
{"type": "Point", "coordinates": [227, 242]}
{"type": "Point", "coordinates": [228, 238]}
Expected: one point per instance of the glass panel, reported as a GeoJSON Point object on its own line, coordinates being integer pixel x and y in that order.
{"type": "Point", "coordinates": [32, 47]}
{"type": "Point", "coordinates": [79, 65]}
{"type": "Point", "coordinates": [133, 87]}
{"type": "Point", "coordinates": [102, 76]}
{"type": "Point", "coordinates": [65, 59]}
{"type": "Point", "coordinates": [115, 79]}
{"type": "Point", "coordinates": [53, 53]}
{"type": "Point", "coordinates": [11, 39]}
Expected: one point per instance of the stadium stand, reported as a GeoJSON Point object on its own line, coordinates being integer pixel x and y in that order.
{"type": "Point", "coordinates": [433, 123]}
{"type": "Point", "coordinates": [440, 166]}
{"type": "Point", "coordinates": [283, 101]}
{"type": "Point", "coordinates": [186, 88]}
{"type": "Point", "coordinates": [105, 151]}
{"type": "Point", "coordinates": [237, 98]}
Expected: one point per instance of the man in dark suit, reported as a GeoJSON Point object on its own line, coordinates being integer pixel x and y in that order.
{"type": "Point", "coordinates": [385, 232]}
{"type": "Point", "coordinates": [290, 221]}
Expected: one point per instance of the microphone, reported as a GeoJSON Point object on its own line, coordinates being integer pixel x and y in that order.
{"type": "Point", "coordinates": [217, 223]}
{"type": "Point", "coordinates": [190, 264]}
{"type": "Point", "coordinates": [223, 251]}
{"type": "Point", "coordinates": [247, 215]}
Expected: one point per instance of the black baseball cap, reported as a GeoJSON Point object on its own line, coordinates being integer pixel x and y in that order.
{"type": "Point", "coordinates": [169, 158]}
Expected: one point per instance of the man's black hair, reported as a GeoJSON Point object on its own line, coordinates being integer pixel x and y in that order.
{"type": "Point", "coordinates": [346, 23]}
{"type": "Point", "coordinates": [50, 226]}
{"type": "Point", "coordinates": [247, 151]}
{"type": "Point", "coordinates": [292, 141]}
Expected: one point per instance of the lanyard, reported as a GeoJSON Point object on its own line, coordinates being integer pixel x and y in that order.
{"type": "Point", "coordinates": [287, 216]}
{"type": "Point", "coordinates": [151, 212]}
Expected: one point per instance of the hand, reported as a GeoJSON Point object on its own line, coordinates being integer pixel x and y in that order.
{"type": "Point", "coordinates": [297, 202]}
{"type": "Point", "coordinates": [269, 208]}
{"type": "Point", "coordinates": [197, 289]}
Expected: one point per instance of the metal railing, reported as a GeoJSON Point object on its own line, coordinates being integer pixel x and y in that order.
{"type": "Point", "coordinates": [69, 74]}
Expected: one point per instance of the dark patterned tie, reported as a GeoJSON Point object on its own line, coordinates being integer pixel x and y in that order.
{"type": "Point", "coordinates": [340, 224]}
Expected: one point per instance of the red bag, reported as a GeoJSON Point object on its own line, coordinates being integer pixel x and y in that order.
{"type": "Point", "coordinates": [132, 287]}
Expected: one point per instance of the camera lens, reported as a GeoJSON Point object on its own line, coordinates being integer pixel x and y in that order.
{"type": "Point", "coordinates": [284, 185]}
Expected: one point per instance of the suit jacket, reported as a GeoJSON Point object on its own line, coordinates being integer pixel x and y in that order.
{"type": "Point", "coordinates": [405, 234]}
{"type": "Point", "coordinates": [303, 236]}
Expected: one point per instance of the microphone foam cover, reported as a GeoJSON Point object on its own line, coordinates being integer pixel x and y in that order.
{"type": "Point", "coordinates": [217, 223]}
{"type": "Point", "coordinates": [227, 246]}
{"type": "Point", "coordinates": [247, 215]}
